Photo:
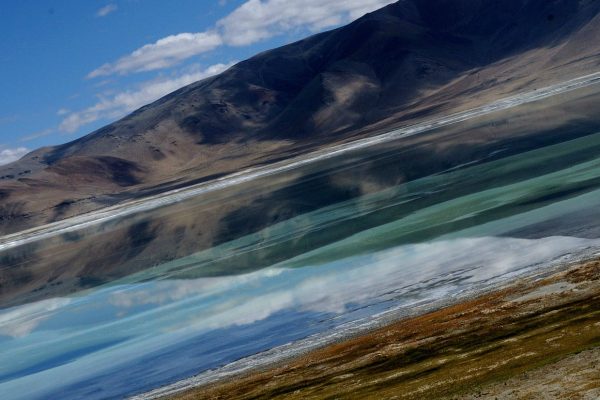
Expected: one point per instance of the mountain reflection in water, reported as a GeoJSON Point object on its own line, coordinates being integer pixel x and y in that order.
{"type": "Point", "coordinates": [128, 305]}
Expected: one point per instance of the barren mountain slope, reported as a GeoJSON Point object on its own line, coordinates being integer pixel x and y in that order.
{"type": "Point", "coordinates": [402, 63]}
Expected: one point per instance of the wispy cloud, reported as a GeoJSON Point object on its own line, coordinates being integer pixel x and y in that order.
{"type": "Point", "coordinates": [164, 53]}
{"type": "Point", "coordinates": [37, 135]}
{"type": "Point", "coordinates": [10, 155]}
{"type": "Point", "coordinates": [257, 20]}
{"type": "Point", "coordinates": [107, 9]}
{"type": "Point", "coordinates": [21, 321]}
{"type": "Point", "coordinates": [179, 312]}
{"type": "Point", "coordinates": [408, 274]}
{"type": "Point", "coordinates": [122, 103]}
{"type": "Point", "coordinates": [253, 21]}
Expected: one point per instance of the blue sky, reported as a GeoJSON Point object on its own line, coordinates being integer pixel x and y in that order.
{"type": "Point", "coordinates": [68, 67]}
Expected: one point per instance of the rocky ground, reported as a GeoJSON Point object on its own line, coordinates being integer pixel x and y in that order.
{"type": "Point", "coordinates": [574, 377]}
{"type": "Point", "coordinates": [537, 339]}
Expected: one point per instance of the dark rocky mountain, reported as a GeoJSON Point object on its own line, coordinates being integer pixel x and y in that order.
{"type": "Point", "coordinates": [396, 66]}
{"type": "Point", "coordinates": [401, 63]}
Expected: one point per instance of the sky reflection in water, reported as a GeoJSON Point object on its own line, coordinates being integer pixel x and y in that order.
{"type": "Point", "coordinates": [125, 338]}
{"type": "Point", "coordinates": [322, 271]}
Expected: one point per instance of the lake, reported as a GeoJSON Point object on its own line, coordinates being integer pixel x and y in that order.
{"type": "Point", "coordinates": [251, 273]}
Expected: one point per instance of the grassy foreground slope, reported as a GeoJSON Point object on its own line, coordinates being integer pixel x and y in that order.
{"type": "Point", "coordinates": [535, 335]}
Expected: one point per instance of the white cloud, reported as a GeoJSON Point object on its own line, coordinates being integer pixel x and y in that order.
{"type": "Point", "coordinates": [164, 53]}
{"type": "Point", "coordinates": [10, 155]}
{"type": "Point", "coordinates": [107, 9]}
{"type": "Point", "coordinates": [253, 21]}
{"type": "Point", "coordinates": [177, 312]}
{"type": "Point", "coordinates": [407, 274]}
{"type": "Point", "coordinates": [122, 103]}
{"type": "Point", "coordinates": [256, 20]}
{"type": "Point", "coordinates": [22, 320]}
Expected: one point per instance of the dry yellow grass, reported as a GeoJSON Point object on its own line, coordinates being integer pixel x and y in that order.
{"type": "Point", "coordinates": [455, 352]}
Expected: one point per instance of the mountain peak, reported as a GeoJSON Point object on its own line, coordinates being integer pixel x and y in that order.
{"type": "Point", "coordinates": [394, 66]}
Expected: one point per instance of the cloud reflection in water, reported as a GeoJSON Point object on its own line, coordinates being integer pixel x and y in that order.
{"type": "Point", "coordinates": [141, 320]}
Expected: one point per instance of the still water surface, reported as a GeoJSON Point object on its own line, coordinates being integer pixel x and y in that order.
{"type": "Point", "coordinates": [393, 247]}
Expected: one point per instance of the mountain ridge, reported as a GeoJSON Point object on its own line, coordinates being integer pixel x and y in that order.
{"type": "Point", "coordinates": [400, 64]}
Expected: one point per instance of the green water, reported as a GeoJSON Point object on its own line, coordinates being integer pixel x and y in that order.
{"type": "Point", "coordinates": [488, 199]}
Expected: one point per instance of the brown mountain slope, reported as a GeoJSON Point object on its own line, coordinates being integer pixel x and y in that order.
{"type": "Point", "coordinates": [394, 66]}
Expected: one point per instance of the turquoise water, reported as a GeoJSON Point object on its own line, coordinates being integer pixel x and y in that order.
{"type": "Point", "coordinates": [325, 262]}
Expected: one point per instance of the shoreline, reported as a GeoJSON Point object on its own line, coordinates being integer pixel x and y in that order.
{"type": "Point", "coordinates": [174, 196]}
{"type": "Point", "coordinates": [453, 352]}
{"type": "Point", "coordinates": [291, 354]}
